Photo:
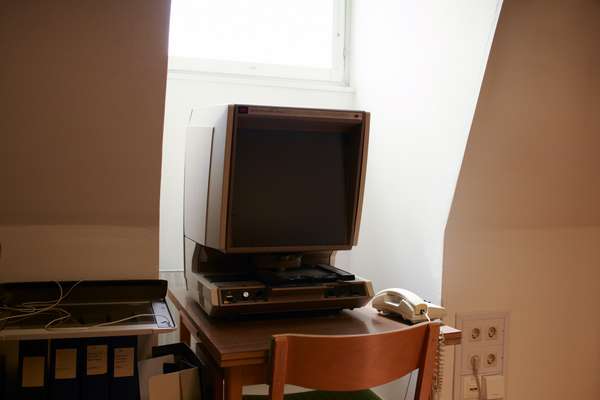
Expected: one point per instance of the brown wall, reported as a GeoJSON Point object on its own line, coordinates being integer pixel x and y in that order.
{"type": "Point", "coordinates": [524, 229]}
{"type": "Point", "coordinates": [82, 87]}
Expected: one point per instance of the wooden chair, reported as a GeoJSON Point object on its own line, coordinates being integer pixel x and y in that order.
{"type": "Point", "coordinates": [351, 363]}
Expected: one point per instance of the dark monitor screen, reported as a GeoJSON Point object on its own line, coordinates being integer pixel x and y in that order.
{"type": "Point", "coordinates": [293, 187]}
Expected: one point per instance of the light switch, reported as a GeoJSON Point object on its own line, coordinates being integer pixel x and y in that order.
{"type": "Point", "coordinates": [493, 387]}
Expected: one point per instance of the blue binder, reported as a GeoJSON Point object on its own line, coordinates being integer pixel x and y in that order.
{"type": "Point", "coordinates": [33, 375]}
{"type": "Point", "coordinates": [95, 369]}
{"type": "Point", "coordinates": [2, 375]}
{"type": "Point", "coordinates": [65, 369]}
{"type": "Point", "coordinates": [124, 374]}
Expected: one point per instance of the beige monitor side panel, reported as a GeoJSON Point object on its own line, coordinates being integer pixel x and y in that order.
{"type": "Point", "coordinates": [363, 177]}
{"type": "Point", "coordinates": [189, 246]}
{"type": "Point", "coordinates": [217, 118]}
{"type": "Point", "coordinates": [196, 179]}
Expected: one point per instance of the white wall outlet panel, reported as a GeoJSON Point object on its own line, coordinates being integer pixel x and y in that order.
{"type": "Point", "coordinates": [485, 336]}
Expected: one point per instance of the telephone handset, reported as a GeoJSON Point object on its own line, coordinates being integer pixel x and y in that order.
{"type": "Point", "coordinates": [413, 308]}
{"type": "Point", "coordinates": [408, 305]}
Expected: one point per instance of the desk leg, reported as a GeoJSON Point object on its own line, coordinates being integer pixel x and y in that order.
{"type": "Point", "coordinates": [184, 333]}
{"type": "Point", "coordinates": [214, 374]}
{"type": "Point", "coordinates": [233, 383]}
{"type": "Point", "coordinates": [237, 377]}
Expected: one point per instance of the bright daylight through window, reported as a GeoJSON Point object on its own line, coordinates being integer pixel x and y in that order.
{"type": "Point", "coordinates": [267, 38]}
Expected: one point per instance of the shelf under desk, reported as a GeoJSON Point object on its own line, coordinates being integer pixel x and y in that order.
{"type": "Point", "coordinates": [240, 347]}
{"type": "Point", "coordinates": [121, 329]}
{"type": "Point", "coordinates": [90, 303]}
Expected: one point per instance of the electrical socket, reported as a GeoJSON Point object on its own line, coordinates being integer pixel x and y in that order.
{"type": "Point", "coordinates": [492, 359]}
{"type": "Point", "coordinates": [473, 331]}
{"type": "Point", "coordinates": [493, 330]}
{"type": "Point", "coordinates": [467, 367]}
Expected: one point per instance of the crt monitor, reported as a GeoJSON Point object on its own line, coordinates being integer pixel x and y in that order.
{"type": "Point", "coordinates": [292, 179]}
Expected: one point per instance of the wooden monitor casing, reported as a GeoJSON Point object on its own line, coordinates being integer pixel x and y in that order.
{"type": "Point", "coordinates": [209, 156]}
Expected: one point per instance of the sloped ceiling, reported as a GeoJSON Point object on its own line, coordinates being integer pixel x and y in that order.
{"type": "Point", "coordinates": [82, 87]}
{"type": "Point", "coordinates": [533, 154]}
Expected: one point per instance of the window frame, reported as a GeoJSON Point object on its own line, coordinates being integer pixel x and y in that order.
{"type": "Point", "coordinates": [337, 75]}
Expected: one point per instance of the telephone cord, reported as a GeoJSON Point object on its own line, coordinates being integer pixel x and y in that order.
{"type": "Point", "coordinates": [475, 369]}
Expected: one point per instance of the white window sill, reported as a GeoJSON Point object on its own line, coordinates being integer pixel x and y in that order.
{"type": "Point", "coordinates": [238, 79]}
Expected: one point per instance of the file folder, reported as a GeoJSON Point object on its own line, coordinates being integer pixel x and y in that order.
{"type": "Point", "coordinates": [124, 374]}
{"type": "Point", "coordinates": [65, 369]}
{"type": "Point", "coordinates": [33, 380]}
{"type": "Point", "coordinates": [95, 378]}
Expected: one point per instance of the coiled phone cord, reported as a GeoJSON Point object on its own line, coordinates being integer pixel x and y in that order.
{"type": "Point", "coordinates": [438, 372]}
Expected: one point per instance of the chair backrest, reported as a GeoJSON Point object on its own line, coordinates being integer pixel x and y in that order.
{"type": "Point", "coordinates": [354, 362]}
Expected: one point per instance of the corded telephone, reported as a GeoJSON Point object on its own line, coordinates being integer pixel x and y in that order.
{"type": "Point", "coordinates": [413, 308]}
{"type": "Point", "coordinates": [408, 305]}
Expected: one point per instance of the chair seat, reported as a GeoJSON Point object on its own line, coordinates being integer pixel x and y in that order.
{"type": "Point", "coordinates": [321, 395]}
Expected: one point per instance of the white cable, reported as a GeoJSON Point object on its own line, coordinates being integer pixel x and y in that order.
{"type": "Point", "coordinates": [427, 316]}
{"type": "Point", "coordinates": [38, 311]}
{"type": "Point", "coordinates": [33, 303]}
{"type": "Point", "coordinates": [48, 326]}
{"type": "Point", "coordinates": [127, 319]}
{"type": "Point", "coordinates": [19, 309]}
{"type": "Point", "coordinates": [475, 369]}
{"type": "Point", "coordinates": [65, 316]}
{"type": "Point", "coordinates": [30, 308]}
{"type": "Point", "coordinates": [408, 385]}
{"type": "Point", "coordinates": [438, 378]}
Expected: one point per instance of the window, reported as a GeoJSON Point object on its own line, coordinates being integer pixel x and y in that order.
{"type": "Point", "coordinates": [269, 38]}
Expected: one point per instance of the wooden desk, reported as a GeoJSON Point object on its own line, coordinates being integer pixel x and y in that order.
{"type": "Point", "coordinates": [239, 349]}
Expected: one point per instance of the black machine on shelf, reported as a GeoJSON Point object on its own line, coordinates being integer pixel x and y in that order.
{"type": "Point", "coordinates": [270, 195]}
